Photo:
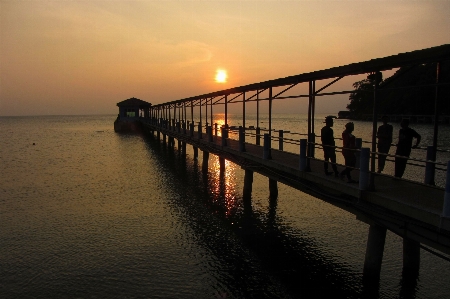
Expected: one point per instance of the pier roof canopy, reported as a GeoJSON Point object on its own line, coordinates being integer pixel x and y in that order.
{"type": "Point", "coordinates": [134, 102]}
{"type": "Point", "coordinates": [429, 55]}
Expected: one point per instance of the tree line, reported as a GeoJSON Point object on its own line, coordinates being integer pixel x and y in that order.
{"type": "Point", "coordinates": [411, 90]}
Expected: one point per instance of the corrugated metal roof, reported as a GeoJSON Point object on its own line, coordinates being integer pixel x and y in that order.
{"type": "Point", "coordinates": [134, 102]}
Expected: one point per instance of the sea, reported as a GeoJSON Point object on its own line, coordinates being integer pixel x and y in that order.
{"type": "Point", "coordinates": [89, 213]}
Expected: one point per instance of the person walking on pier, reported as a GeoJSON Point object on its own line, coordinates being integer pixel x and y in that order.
{"type": "Point", "coordinates": [348, 151]}
{"type": "Point", "coordinates": [384, 135]}
{"type": "Point", "coordinates": [404, 146]}
{"type": "Point", "coordinates": [328, 145]}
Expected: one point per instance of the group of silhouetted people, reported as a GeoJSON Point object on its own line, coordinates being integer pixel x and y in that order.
{"type": "Point", "coordinates": [384, 135]}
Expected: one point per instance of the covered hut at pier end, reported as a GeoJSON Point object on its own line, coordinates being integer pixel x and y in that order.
{"type": "Point", "coordinates": [130, 111]}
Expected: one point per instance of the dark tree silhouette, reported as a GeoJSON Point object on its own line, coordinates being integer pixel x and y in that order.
{"type": "Point", "coordinates": [409, 91]}
{"type": "Point", "coordinates": [361, 100]}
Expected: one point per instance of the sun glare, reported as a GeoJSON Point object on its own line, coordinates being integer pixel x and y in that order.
{"type": "Point", "coordinates": [221, 76]}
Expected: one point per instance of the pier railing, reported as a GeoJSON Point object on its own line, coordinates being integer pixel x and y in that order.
{"type": "Point", "coordinates": [429, 171]}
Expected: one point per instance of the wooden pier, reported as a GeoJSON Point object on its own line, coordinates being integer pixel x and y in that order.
{"type": "Point", "coordinates": [419, 212]}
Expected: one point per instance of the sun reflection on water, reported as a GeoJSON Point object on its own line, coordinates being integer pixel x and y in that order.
{"type": "Point", "coordinates": [219, 119]}
{"type": "Point", "coordinates": [223, 185]}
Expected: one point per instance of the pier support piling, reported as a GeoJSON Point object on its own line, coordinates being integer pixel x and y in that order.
{"type": "Point", "coordinates": [183, 148]}
{"type": "Point", "coordinates": [374, 252]}
{"type": "Point", "coordinates": [195, 152]}
{"type": "Point", "coordinates": [273, 203]}
{"type": "Point", "coordinates": [411, 256]}
{"type": "Point", "coordinates": [273, 188]}
{"type": "Point", "coordinates": [205, 162]}
{"type": "Point", "coordinates": [222, 165]}
{"type": "Point", "coordinates": [248, 184]}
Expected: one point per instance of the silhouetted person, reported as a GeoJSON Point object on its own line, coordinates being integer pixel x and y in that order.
{"type": "Point", "coordinates": [328, 144]}
{"type": "Point", "coordinates": [384, 135]}
{"type": "Point", "coordinates": [404, 146]}
{"type": "Point", "coordinates": [349, 144]}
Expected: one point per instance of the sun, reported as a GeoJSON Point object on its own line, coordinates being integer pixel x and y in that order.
{"type": "Point", "coordinates": [221, 76]}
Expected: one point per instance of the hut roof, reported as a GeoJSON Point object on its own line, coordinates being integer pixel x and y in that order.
{"type": "Point", "coordinates": [134, 102]}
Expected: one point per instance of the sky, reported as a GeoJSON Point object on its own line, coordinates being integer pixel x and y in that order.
{"type": "Point", "coordinates": [69, 57]}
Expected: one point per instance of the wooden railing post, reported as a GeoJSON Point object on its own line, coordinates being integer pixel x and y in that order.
{"type": "Point", "coordinates": [280, 140]}
{"type": "Point", "coordinates": [303, 144]}
{"type": "Point", "coordinates": [446, 209]}
{"type": "Point", "coordinates": [209, 133]}
{"type": "Point", "coordinates": [364, 168]}
{"type": "Point", "coordinates": [258, 136]}
{"type": "Point", "coordinates": [199, 130]}
{"type": "Point", "coordinates": [430, 166]}
{"type": "Point", "coordinates": [267, 146]}
{"type": "Point", "coordinates": [224, 136]}
{"type": "Point", "coordinates": [191, 129]}
{"type": "Point", "coordinates": [358, 144]}
{"type": "Point", "coordinates": [241, 139]}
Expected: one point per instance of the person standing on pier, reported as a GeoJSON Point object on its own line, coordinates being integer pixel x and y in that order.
{"type": "Point", "coordinates": [404, 146]}
{"type": "Point", "coordinates": [384, 135]}
{"type": "Point", "coordinates": [328, 145]}
{"type": "Point", "coordinates": [348, 151]}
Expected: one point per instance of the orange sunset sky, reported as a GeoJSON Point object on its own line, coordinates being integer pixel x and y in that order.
{"type": "Point", "coordinates": [82, 57]}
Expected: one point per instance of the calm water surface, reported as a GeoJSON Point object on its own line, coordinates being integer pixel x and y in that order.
{"type": "Point", "coordinates": [88, 213]}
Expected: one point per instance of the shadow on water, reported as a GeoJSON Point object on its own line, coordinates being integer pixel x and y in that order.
{"type": "Point", "coordinates": [259, 255]}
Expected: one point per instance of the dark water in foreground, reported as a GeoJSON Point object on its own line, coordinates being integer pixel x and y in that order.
{"type": "Point", "coordinates": [87, 213]}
